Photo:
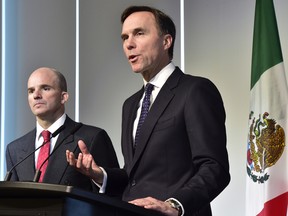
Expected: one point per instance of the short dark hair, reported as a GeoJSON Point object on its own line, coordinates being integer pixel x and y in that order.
{"type": "Point", "coordinates": [61, 80]}
{"type": "Point", "coordinates": [164, 22]}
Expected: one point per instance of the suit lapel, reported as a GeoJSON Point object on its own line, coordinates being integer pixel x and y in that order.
{"type": "Point", "coordinates": [161, 102]}
{"type": "Point", "coordinates": [27, 148]}
{"type": "Point", "coordinates": [132, 108]}
{"type": "Point", "coordinates": [57, 162]}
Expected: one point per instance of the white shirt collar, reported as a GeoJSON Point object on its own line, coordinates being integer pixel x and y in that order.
{"type": "Point", "coordinates": [52, 128]}
{"type": "Point", "coordinates": [160, 78]}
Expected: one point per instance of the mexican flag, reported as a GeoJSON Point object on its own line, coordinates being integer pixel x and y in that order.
{"type": "Point", "coordinates": [267, 154]}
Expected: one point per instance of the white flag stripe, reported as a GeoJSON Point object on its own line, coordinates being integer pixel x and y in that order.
{"type": "Point", "coordinates": [269, 95]}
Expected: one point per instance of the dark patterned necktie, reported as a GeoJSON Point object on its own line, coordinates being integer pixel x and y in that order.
{"type": "Point", "coordinates": [44, 153]}
{"type": "Point", "coordinates": [144, 110]}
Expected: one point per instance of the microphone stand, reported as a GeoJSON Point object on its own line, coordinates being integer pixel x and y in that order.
{"type": "Point", "coordinates": [38, 171]}
{"type": "Point", "coordinates": [9, 173]}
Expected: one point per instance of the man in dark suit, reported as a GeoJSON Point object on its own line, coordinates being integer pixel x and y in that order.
{"type": "Point", "coordinates": [179, 163]}
{"type": "Point", "coordinates": [47, 95]}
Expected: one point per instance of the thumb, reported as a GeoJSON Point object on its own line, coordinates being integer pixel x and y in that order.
{"type": "Point", "coordinates": [83, 148]}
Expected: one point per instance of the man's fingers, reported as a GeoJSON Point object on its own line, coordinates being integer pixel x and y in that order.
{"type": "Point", "coordinates": [79, 161]}
{"type": "Point", "coordinates": [70, 158]}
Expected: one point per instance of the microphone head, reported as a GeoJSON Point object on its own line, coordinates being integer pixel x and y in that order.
{"type": "Point", "coordinates": [37, 175]}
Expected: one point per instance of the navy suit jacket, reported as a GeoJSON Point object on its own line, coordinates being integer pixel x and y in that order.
{"type": "Point", "coordinates": [58, 170]}
{"type": "Point", "coordinates": [181, 152]}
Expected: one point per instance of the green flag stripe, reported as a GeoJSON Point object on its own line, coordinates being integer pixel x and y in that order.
{"type": "Point", "coordinates": [266, 43]}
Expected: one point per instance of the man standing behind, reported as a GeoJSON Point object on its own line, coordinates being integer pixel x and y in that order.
{"type": "Point", "coordinates": [176, 161]}
{"type": "Point", "coordinates": [47, 95]}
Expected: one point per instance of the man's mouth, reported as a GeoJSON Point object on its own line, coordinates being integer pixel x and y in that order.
{"type": "Point", "coordinates": [38, 104]}
{"type": "Point", "coordinates": [132, 58]}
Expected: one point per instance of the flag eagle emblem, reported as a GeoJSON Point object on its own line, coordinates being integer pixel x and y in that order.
{"type": "Point", "coordinates": [266, 142]}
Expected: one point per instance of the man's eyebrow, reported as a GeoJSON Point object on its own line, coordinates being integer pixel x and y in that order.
{"type": "Point", "coordinates": [41, 86]}
{"type": "Point", "coordinates": [138, 29]}
{"type": "Point", "coordinates": [123, 36]}
{"type": "Point", "coordinates": [134, 32]}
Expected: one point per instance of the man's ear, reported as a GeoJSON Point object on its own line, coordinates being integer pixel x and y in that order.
{"type": "Point", "coordinates": [64, 97]}
{"type": "Point", "coordinates": [167, 42]}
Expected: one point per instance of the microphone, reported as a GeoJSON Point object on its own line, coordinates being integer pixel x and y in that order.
{"type": "Point", "coordinates": [38, 171]}
{"type": "Point", "coordinates": [9, 173]}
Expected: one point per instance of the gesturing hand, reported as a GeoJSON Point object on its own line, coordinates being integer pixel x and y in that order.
{"type": "Point", "coordinates": [85, 163]}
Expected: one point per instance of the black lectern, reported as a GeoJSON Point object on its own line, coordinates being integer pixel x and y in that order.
{"type": "Point", "coordinates": [41, 199]}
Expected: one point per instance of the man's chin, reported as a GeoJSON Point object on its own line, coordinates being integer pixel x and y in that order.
{"type": "Point", "coordinates": [39, 114]}
{"type": "Point", "coordinates": [136, 70]}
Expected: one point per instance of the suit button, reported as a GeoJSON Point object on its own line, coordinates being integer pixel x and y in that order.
{"type": "Point", "coordinates": [133, 183]}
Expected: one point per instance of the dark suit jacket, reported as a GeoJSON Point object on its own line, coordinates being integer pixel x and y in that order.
{"type": "Point", "coordinates": [58, 170]}
{"type": "Point", "coordinates": [181, 152]}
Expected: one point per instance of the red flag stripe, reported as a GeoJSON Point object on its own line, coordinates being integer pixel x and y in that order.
{"type": "Point", "coordinates": [276, 206]}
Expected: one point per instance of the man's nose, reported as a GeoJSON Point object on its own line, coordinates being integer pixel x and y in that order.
{"type": "Point", "coordinates": [130, 43]}
{"type": "Point", "coordinates": [37, 94]}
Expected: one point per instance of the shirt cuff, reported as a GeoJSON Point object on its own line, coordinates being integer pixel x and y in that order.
{"type": "Point", "coordinates": [102, 187]}
{"type": "Point", "coordinates": [179, 203]}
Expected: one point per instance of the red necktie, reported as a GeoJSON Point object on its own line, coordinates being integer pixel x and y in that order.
{"type": "Point", "coordinates": [44, 153]}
